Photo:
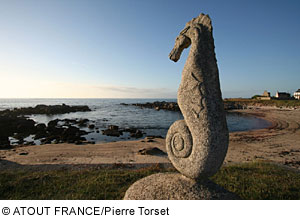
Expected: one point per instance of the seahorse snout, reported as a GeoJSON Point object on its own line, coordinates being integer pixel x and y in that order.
{"type": "Point", "coordinates": [174, 55]}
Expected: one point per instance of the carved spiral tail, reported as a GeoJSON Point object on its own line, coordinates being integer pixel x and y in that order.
{"type": "Point", "coordinates": [179, 141]}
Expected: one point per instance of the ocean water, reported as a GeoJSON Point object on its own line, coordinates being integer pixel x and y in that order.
{"type": "Point", "coordinates": [107, 112]}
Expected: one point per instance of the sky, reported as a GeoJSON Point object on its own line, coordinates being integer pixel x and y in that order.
{"type": "Point", "coordinates": [120, 48]}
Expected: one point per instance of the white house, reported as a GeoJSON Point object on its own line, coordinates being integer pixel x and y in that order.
{"type": "Point", "coordinates": [297, 94]}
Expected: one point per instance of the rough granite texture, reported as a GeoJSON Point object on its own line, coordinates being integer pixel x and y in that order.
{"type": "Point", "coordinates": [198, 144]}
{"type": "Point", "coordinates": [174, 186]}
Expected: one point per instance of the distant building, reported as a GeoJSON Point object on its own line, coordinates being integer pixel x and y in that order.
{"type": "Point", "coordinates": [265, 96]}
{"type": "Point", "coordinates": [297, 94]}
{"type": "Point", "coordinates": [283, 95]}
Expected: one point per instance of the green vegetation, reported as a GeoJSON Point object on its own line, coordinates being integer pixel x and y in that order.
{"type": "Point", "coordinates": [260, 181]}
{"type": "Point", "coordinates": [255, 102]}
{"type": "Point", "coordinates": [249, 181]}
{"type": "Point", "coordinates": [255, 96]}
{"type": "Point", "coordinates": [87, 183]}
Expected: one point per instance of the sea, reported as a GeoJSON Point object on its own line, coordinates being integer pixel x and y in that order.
{"type": "Point", "coordinates": [107, 112]}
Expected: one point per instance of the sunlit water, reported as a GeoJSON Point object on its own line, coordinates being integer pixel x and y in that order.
{"type": "Point", "coordinates": [109, 112]}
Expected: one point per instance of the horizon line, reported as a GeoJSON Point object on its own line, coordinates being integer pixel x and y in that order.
{"type": "Point", "coordinates": [81, 98]}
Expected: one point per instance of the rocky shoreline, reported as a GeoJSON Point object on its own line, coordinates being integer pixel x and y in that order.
{"type": "Point", "coordinates": [170, 106]}
{"type": "Point", "coordinates": [228, 104]}
{"type": "Point", "coordinates": [16, 127]}
{"type": "Point", "coordinates": [45, 110]}
{"type": "Point", "coordinates": [16, 124]}
{"type": "Point", "coordinates": [173, 106]}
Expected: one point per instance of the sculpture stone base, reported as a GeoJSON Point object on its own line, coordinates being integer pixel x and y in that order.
{"type": "Point", "coordinates": [174, 186]}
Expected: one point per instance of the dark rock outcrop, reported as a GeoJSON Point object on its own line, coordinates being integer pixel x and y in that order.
{"type": "Point", "coordinates": [170, 106]}
{"type": "Point", "coordinates": [112, 130]}
{"type": "Point", "coordinates": [137, 134]}
{"type": "Point", "coordinates": [4, 142]}
{"type": "Point", "coordinates": [19, 127]}
{"type": "Point", "coordinates": [13, 123]}
{"type": "Point", "coordinates": [46, 109]}
{"type": "Point", "coordinates": [56, 131]}
{"type": "Point", "coordinates": [152, 151]}
{"type": "Point", "coordinates": [173, 106]}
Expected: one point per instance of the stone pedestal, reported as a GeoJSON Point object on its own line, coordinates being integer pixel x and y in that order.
{"type": "Point", "coordinates": [174, 186]}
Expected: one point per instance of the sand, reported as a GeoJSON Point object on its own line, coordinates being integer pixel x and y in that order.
{"type": "Point", "coordinates": [280, 144]}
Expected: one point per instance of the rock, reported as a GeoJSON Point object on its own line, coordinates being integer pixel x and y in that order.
{"type": "Point", "coordinates": [72, 135]}
{"type": "Point", "coordinates": [20, 136]}
{"type": "Point", "coordinates": [91, 126]}
{"type": "Point", "coordinates": [83, 122]}
{"type": "Point", "coordinates": [112, 130]}
{"type": "Point", "coordinates": [40, 134]}
{"type": "Point", "coordinates": [41, 127]}
{"type": "Point", "coordinates": [170, 106]}
{"type": "Point", "coordinates": [10, 125]}
{"type": "Point", "coordinates": [173, 106]}
{"type": "Point", "coordinates": [153, 137]}
{"type": "Point", "coordinates": [152, 151]}
{"type": "Point", "coordinates": [20, 141]}
{"type": "Point", "coordinates": [54, 131]}
{"type": "Point", "coordinates": [47, 109]}
{"type": "Point", "coordinates": [137, 134]}
{"type": "Point", "coordinates": [25, 126]}
{"type": "Point", "coordinates": [68, 122]}
{"type": "Point", "coordinates": [71, 131]}
{"type": "Point", "coordinates": [284, 153]}
{"type": "Point", "coordinates": [48, 140]}
{"type": "Point", "coordinates": [130, 130]}
{"type": "Point", "coordinates": [109, 132]}
{"type": "Point", "coordinates": [53, 123]}
{"type": "Point", "coordinates": [23, 153]}
{"type": "Point", "coordinates": [4, 142]}
{"type": "Point", "coordinates": [58, 132]}
{"type": "Point", "coordinates": [174, 186]}
{"type": "Point", "coordinates": [113, 127]}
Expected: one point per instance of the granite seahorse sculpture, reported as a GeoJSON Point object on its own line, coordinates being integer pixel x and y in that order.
{"type": "Point", "coordinates": [198, 144]}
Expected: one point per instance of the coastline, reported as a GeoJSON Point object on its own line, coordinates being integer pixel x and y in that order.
{"type": "Point", "coordinates": [279, 143]}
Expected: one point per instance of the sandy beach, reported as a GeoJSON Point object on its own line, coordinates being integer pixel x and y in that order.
{"type": "Point", "coordinates": [279, 143]}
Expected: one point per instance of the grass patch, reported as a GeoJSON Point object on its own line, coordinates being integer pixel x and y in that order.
{"type": "Point", "coordinates": [260, 181]}
{"type": "Point", "coordinates": [88, 183]}
{"type": "Point", "coordinates": [249, 181]}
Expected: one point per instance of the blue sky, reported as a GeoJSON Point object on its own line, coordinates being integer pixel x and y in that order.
{"type": "Point", "coordinates": [119, 48]}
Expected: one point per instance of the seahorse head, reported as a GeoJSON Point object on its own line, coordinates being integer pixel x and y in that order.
{"type": "Point", "coordinates": [191, 31]}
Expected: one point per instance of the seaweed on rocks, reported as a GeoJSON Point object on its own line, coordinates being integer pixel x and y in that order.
{"type": "Point", "coordinates": [14, 123]}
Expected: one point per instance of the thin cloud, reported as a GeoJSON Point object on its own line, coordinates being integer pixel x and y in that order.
{"type": "Point", "coordinates": [135, 92]}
